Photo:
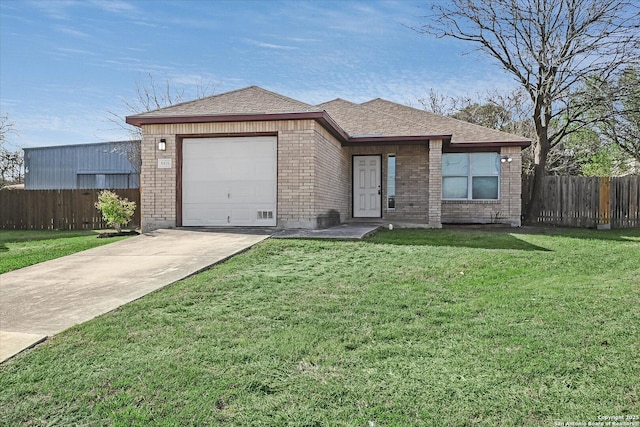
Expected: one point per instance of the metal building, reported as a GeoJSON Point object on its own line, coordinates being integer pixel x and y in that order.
{"type": "Point", "coordinates": [83, 166]}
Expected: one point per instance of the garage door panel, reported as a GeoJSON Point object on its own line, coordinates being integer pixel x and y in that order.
{"type": "Point", "coordinates": [228, 193]}
{"type": "Point", "coordinates": [229, 181]}
{"type": "Point", "coordinates": [203, 192]}
{"type": "Point", "coordinates": [241, 149]}
{"type": "Point", "coordinates": [198, 149]}
{"type": "Point", "coordinates": [242, 215]}
{"type": "Point", "coordinates": [242, 169]}
{"type": "Point", "coordinates": [264, 168]}
{"type": "Point", "coordinates": [204, 215]}
{"type": "Point", "coordinates": [211, 215]}
{"type": "Point", "coordinates": [257, 190]}
{"type": "Point", "coordinates": [219, 170]}
{"type": "Point", "coordinates": [262, 151]}
{"type": "Point", "coordinates": [264, 191]}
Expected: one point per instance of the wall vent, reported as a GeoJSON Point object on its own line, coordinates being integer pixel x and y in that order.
{"type": "Point", "coordinates": [265, 214]}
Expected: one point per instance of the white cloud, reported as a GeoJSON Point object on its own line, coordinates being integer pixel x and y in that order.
{"type": "Point", "coordinates": [303, 40]}
{"type": "Point", "coordinates": [402, 86]}
{"type": "Point", "coordinates": [69, 51]}
{"type": "Point", "coordinates": [114, 6]}
{"type": "Point", "coordinates": [72, 32]}
{"type": "Point", "coordinates": [55, 9]}
{"type": "Point", "coordinates": [268, 45]}
{"type": "Point", "coordinates": [74, 127]}
{"type": "Point", "coordinates": [286, 47]}
{"type": "Point", "coordinates": [148, 24]}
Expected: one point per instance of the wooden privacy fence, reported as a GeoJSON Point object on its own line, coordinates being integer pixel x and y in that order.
{"type": "Point", "coordinates": [57, 209]}
{"type": "Point", "coordinates": [579, 201]}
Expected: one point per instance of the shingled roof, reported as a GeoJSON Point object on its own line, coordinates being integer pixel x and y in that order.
{"type": "Point", "coordinates": [360, 121]}
{"type": "Point", "coordinates": [377, 119]}
{"type": "Point", "coordinates": [460, 131]}
{"type": "Point", "coordinates": [250, 100]}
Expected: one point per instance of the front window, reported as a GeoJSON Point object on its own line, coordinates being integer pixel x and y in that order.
{"type": "Point", "coordinates": [470, 176]}
{"type": "Point", "coordinates": [391, 182]}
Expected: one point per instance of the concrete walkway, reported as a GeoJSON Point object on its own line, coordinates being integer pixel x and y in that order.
{"type": "Point", "coordinates": [348, 231]}
{"type": "Point", "coordinates": [47, 298]}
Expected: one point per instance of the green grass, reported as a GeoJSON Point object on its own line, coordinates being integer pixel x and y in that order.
{"type": "Point", "coordinates": [20, 249]}
{"type": "Point", "coordinates": [411, 327]}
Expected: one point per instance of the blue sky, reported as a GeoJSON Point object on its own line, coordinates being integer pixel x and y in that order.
{"type": "Point", "coordinates": [65, 64]}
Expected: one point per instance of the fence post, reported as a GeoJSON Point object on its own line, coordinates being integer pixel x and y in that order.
{"type": "Point", "coordinates": [604, 217]}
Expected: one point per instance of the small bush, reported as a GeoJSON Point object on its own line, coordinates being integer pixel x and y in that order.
{"type": "Point", "coordinates": [116, 211]}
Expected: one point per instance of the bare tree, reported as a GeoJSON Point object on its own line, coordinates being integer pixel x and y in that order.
{"type": "Point", "coordinates": [619, 110]}
{"type": "Point", "coordinates": [7, 127]}
{"type": "Point", "coordinates": [132, 150]}
{"type": "Point", "coordinates": [583, 152]}
{"type": "Point", "coordinates": [11, 162]}
{"type": "Point", "coordinates": [11, 167]}
{"type": "Point", "coordinates": [437, 103]}
{"type": "Point", "coordinates": [505, 111]}
{"type": "Point", "coordinates": [150, 95]}
{"type": "Point", "coordinates": [488, 115]}
{"type": "Point", "coordinates": [550, 47]}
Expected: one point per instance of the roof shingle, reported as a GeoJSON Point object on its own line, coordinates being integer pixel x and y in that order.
{"type": "Point", "coordinates": [360, 121]}
{"type": "Point", "coordinates": [250, 100]}
{"type": "Point", "coordinates": [460, 131]}
{"type": "Point", "coordinates": [375, 118]}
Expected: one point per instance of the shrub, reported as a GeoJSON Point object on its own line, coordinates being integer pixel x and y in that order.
{"type": "Point", "coordinates": [116, 211]}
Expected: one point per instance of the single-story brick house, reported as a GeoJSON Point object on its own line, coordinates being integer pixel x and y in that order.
{"type": "Point", "coordinates": [252, 157]}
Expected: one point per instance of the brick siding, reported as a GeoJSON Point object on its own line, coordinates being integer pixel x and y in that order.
{"type": "Point", "coordinates": [412, 180]}
{"type": "Point", "coordinates": [435, 184]}
{"type": "Point", "coordinates": [332, 186]}
{"type": "Point", "coordinates": [506, 210]}
{"type": "Point", "coordinates": [312, 171]}
{"type": "Point", "coordinates": [315, 177]}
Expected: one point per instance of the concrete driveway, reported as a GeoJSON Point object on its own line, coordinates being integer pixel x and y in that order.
{"type": "Point", "coordinates": [47, 298]}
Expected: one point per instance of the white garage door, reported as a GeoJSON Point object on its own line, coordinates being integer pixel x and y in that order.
{"type": "Point", "coordinates": [229, 181]}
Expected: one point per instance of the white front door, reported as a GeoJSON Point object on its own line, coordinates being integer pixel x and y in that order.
{"type": "Point", "coordinates": [366, 187]}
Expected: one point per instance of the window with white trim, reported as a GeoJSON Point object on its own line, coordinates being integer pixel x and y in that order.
{"type": "Point", "coordinates": [470, 176]}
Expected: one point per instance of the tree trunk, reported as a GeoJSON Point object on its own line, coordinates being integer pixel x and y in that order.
{"type": "Point", "coordinates": [539, 172]}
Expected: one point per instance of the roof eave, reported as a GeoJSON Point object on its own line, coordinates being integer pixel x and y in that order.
{"type": "Point", "coordinates": [325, 120]}
{"type": "Point", "coordinates": [321, 116]}
{"type": "Point", "coordinates": [483, 144]}
{"type": "Point", "coordinates": [251, 117]}
{"type": "Point", "coordinates": [414, 139]}
{"type": "Point", "coordinates": [385, 140]}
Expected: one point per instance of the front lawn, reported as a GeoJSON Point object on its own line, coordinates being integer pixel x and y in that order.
{"type": "Point", "coordinates": [411, 327]}
{"type": "Point", "coordinates": [20, 248]}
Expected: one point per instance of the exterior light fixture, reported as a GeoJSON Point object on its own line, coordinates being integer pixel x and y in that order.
{"type": "Point", "coordinates": [162, 145]}
{"type": "Point", "coordinates": [504, 159]}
